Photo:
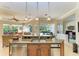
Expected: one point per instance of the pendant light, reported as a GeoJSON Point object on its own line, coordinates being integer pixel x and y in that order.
{"type": "Point", "coordinates": [48, 18]}
{"type": "Point", "coordinates": [37, 18]}
{"type": "Point", "coordinates": [48, 14]}
{"type": "Point", "coordinates": [26, 18]}
{"type": "Point", "coordinates": [26, 13]}
{"type": "Point", "coordinates": [37, 13]}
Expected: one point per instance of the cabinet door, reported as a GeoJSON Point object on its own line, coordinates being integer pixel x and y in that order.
{"type": "Point", "coordinates": [45, 49]}
{"type": "Point", "coordinates": [32, 50]}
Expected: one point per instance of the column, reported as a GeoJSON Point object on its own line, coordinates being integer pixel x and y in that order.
{"type": "Point", "coordinates": [1, 33]}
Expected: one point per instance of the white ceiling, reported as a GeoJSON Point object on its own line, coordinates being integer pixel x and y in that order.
{"type": "Point", "coordinates": [55, 9]}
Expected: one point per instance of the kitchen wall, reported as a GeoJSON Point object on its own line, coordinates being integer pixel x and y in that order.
{"type": "Point", "coordinates": [77, 20]}
{"type": "Point", "coordinates": [70, 21]}
{"type": "Point", "coordinates": [76, 25]}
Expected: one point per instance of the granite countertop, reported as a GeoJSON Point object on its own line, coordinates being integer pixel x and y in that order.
{"type": "Point", "coordinates": [41, 41]}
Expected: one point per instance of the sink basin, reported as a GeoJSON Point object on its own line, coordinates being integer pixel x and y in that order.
{"type": "Point", "coordinates": [35, 41]}
{"type": "Point", "coordinates": [39, 41]}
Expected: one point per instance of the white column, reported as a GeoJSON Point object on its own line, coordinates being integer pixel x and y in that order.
{"type": "Point", "coordinates": [1, 33]}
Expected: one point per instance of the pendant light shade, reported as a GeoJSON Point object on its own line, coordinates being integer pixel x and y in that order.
{"type": "Point", "coordinates": [48, 18]}
{"type": "Point", "coordinates": [37, 19]}
{"type": "Point", "coordinates": [26, 18]}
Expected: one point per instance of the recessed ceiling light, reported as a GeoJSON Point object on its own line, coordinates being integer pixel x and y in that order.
{"type": "Point", "coordinates": [37, 19]}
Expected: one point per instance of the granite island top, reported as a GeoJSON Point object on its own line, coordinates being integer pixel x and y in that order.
{"type": "Point", "coordinates": [41, 41]}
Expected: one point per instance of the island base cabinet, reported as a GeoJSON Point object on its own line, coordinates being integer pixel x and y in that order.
{"type": "Point", "coordinates": [38, 49]}
{"type": "Point", "coordinates": [45, 50]}
{"type": "Point", "coordinates": [32, 50]}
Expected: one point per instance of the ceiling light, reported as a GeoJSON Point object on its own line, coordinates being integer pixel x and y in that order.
{"type": "Point", "coordinates": [26, 18]}
{"type": "Point", "coordinates": [48, 19]}
{"type": "Point", "coordinates": [0, 18]}
{"type": "Point", "coordinates": [37, 19]}
{"type": "Point", "coordinates": [30, 19]}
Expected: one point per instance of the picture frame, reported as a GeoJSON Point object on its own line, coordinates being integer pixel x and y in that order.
{"type": "Point", "coordinates": [71, 27]}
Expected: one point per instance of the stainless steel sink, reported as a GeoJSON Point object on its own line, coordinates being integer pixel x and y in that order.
{"type": "Point", "coordinates": [38, 41]}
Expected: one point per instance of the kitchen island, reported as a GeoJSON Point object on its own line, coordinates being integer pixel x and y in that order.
{"type": "Point", "coordinates": [37, 48]}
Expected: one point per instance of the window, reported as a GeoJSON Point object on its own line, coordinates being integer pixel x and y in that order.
{"type": "Point", "coordinates": [27, 28]}
{"type": "Point", "coordinates": [6, 28]}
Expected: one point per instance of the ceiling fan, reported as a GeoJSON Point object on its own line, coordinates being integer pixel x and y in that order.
{"type": "Point", "coordinates": [14, 18]}
{"type": "Point", "coordinates": [20, 21]}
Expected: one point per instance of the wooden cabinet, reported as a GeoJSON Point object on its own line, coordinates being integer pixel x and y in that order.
{"type": "Point", "coordinates": [6, 40]}
{"type": "Point", "coordinates": [32, 49]}
{"type": "Point", "coordinates": [39, 49]}
{"type": "Point", "coordinates": [62, 48]}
